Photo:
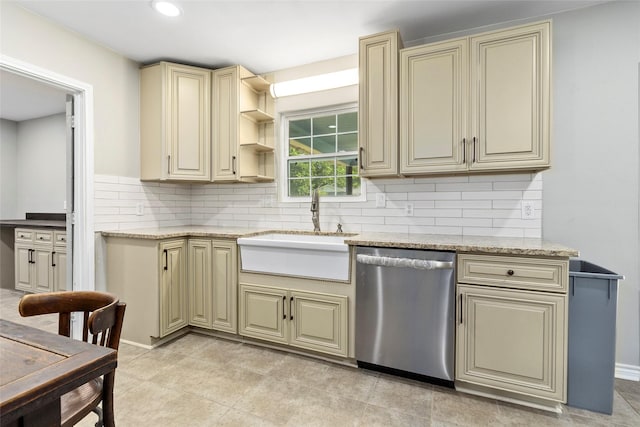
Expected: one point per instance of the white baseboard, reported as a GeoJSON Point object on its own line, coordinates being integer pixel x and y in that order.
{"type": "Point", "coordinates": [627, 372]}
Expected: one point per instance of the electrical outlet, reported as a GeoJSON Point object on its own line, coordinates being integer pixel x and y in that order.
{"type": "Point", "coordinates": [408, 209]}
{"type": "Point", "coordinates": [139, 209]}
{"type": "Point", "coordinates": [64, 205]}
{"type": "Point", "coordinates": [380, 200]}
{"type": "Point", "coordinates": [528, 209]}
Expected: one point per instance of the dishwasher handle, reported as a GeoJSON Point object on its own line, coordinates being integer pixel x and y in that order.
{"type": "Point", "coordinates": [418, 264]}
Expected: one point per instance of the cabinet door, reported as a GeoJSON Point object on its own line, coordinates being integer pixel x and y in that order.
{"type": "Point", "coordinates": [433, 93]}
{"type": "Point", "coordinates": [512, 340]}
{"type": "Point", "coordinates": [510, 94]}
{"type": "Point", "coordinates": [173, 287]}
{"type": "Point", "coordinates": [225, 124]}
{"type": "Point", "coordinates": [43, 267]}
{"type": "Point", "coordinates": [264, 313]}
{"type": "Point", "coordinates": [378, 105]}
{"type": "Point", "coordinates": [225, 267]}
{"type": "Point", "coordinates": [319, 322]}
{"type": "Point", "coordinates": [199, 277]}
{"type": "Point", "coordinates": [23, 270]}
{"type": "Point", "coordinates": [188, 124]}
{"type": "Point", "coordinates": [59, 257]}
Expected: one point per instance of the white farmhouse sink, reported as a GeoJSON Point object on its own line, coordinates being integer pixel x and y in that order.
{"type": "Point", "coordinates": [305, 255]}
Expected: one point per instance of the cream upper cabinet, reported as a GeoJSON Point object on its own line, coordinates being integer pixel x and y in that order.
{"type": "Point", "coordinates": [243, 147]}
{"type": "Point", "coordinates": [510, 98]}
{"type": "Point", "coordinates": [175, 122]}
{"type": "Point", "coordinates": [173, 286]}
{"type": "Point", "coordinates": [512, 340]}
{"type": "Point", "coordinates": [378, 104]}
{"type": "Point", "coordinates": [479, 103]}
{"type": "Point", "coordinates": [433, 106]}
{"type": "Point", "coordinates": [308, 320]}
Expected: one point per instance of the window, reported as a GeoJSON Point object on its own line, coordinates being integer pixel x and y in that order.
{"type": "Point", "coordinates": [321, 151]}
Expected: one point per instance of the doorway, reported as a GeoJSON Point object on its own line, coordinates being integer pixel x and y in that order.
{"type": "Point", "coordinates": [79, 171]}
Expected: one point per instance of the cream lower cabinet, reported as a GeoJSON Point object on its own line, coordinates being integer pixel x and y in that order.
{"type": "Point", "coordinates": [37, 260]}
{"type": "Point", "coordinates": [511, 330]}
{"type": "Point", "coordinates": [307, 320]}
{"type": "Point", "coordinates": [212, 279]}
{"type": "Point", "coordinates": [479, 103]}
{"type": "Point", "coordinates": [173, 287]}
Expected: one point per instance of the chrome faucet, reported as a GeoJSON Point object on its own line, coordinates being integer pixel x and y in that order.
{"type": "Point", "coordinates": [315, 210]}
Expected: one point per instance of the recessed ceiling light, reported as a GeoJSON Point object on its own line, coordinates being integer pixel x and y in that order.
{"type": "Point", "coordinates": [166, 8]}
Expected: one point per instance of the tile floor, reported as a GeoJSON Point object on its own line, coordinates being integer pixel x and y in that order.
{"type": "Point", "coordinates": [203, 381]}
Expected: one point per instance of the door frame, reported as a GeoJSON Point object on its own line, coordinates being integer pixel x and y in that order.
{"type": "Point", "coordinates": [83, 244]}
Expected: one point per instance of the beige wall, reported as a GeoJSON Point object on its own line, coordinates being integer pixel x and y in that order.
{"type": "Point", "coordinates": [30, 38]}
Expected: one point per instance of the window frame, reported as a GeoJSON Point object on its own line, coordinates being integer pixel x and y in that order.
{"type": "Point", "coordinates": [283, 157]}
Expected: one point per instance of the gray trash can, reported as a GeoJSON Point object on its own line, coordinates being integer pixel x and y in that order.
{"type": "Point", "coordinates": [593, 293]}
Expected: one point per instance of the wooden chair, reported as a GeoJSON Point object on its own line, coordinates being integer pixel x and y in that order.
{"type": "Point", "coordinates": [102, 318]}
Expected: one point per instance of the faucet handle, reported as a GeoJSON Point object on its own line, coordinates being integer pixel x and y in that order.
{"type": "Point", "coordinates": [339, 230]}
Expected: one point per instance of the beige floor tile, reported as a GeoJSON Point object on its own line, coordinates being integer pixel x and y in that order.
{"type": "Point", "coordinates": [375, 416]}
{"type": "Point", "coordinates": [300, 369]}
{"type": "Point", "coordinates": [623, 414]}
{"type": "Point", "coordinates": [149, 364]}
{"type": "Point", "coordinates": [209, 379]}
{"type": "Point", "coordinates": [277, 400]}
{"type": "Point", "coordinates": [235, 418]}
{"type": "Point", "coordinates": [150, 404]}
{"type": "Point", "coordinates": [406, 396]}
{"type": "Point", "coordinates": [257, 359]}
{"type": "Point", "coordinates": [347, 382]}
{"type": "Point", "coordinates": [328, 410]}
{"type": "Point", "coordinates": [454, 408]}
{"type": "Point", "coordinates": [517, 415]}
{"type": "Point", "coordinates": [627, 387]}
{"type": "Point", "coordinates": [127, 352]}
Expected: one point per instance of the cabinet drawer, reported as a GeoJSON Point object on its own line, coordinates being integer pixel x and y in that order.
{"type": "Point", "coordinates": [42, 236]}
{"type": "Point", "coordinates": [60, 238]}
{"type": "Point", "coordinates": [514, 272]}
{"type": "Point", "coordinates": [23, 235]}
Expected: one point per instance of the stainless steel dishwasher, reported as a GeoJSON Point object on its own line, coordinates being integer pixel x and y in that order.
{"type": "Point", "coordinates": [405, 312]}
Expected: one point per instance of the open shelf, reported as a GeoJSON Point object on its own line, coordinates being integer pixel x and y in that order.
{"type": "Point", "coordinates": [257, 146]}
{"type": "Point", "coordinates": [257, 83]}
{"type": "Point", "coordinates": [257, 115]}
{"type": "Point", "coordinates": [256, 178]}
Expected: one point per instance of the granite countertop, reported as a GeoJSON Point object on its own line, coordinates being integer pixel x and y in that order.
{"type": "Point", "coordinates": [32, 223]}
{"type": "Point", "coordinates": [441, 242]}
{"type": "Point", "coordinates": [494, 245]}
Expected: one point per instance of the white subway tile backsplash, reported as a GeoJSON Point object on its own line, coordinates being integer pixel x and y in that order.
{"type": "Point", "coordinates": [459, 205]}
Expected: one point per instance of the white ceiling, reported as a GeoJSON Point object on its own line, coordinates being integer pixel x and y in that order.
{"type": "Point", "coordinates": [269, 35]}
{"type": "Point", "coordinates": [24, 99]}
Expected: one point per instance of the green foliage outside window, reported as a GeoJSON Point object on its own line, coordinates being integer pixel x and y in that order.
{"type": "Point", "coordinates": [323, 154]}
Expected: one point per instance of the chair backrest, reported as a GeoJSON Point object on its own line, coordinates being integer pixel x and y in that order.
{"type": "Point", "coordinates": [102, 313]}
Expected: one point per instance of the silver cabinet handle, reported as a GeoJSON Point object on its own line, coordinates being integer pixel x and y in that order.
{"type": "Point", "coordinates": [233, 164]}
{"type": "Point", "coordinates": [418, 264]}
{"type": "Point", "coordinates": [474, 149]}
{"type": "Point", "coordinates": [361, 159]}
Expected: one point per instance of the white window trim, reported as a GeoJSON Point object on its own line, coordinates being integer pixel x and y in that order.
{"type": "Point", "coordinates": [283, 185]}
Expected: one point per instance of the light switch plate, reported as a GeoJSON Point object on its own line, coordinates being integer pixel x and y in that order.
{"type": "Point", "coordinates": [528, 209]}
{"type": "Point", "coordinates": [380, 200]}
{"type": "Point", "coordinates": [139, 209]}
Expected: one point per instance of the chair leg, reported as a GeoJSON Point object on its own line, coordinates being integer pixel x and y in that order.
{"type": "Point", "coordinates": [107, 400]}
{"type": "Point", "coordinates": [98, 411]}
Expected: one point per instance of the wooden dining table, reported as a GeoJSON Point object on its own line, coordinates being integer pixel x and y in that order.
{"type": "Point", "coordinates": [38, 367]}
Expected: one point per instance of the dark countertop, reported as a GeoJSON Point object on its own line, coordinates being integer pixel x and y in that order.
{"type": "Point", "coordinates": [33, 223]}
